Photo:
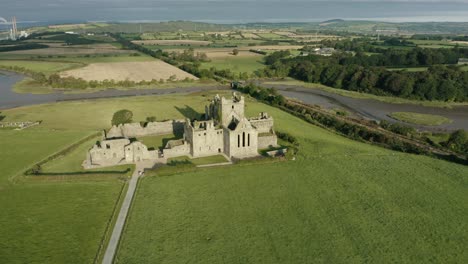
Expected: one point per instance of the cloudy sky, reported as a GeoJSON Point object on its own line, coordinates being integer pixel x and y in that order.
{"type": "Point", "coordinates": [234, 10]}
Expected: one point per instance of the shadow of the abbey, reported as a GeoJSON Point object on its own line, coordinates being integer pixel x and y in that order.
{"type": "Point", "coordinates": [190, 113]}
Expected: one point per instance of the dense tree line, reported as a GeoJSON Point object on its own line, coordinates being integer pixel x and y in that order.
{"type": "Point", "coordinates": [354, 131]}
{"type": "Point", "coordinates": [23, 46]}
{"type": "Point", "coordinates": [362, 73]}
{"type": "Point", "coordinates": [458, 141]}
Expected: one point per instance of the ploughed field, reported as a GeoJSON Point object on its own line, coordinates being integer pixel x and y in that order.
{"type": "Point", "coordinates": [133, 71]}
{"type": "Point", "coordinates": [339, 201]}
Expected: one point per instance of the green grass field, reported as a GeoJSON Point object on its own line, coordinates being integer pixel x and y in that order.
{"type": "Point", "coordinates": [420, 119]}
{"type": "Point", "coordinates": [269, 36]}
{"type": "Point", "coordinates": [40, 66]}
{"type": "Point", "coordinates": [49, 221]}
{"type": "Point", "coordinates": [236, 64]}
{"type": "Point", "coordinates": [409, 69]}
{"type": "Point", "coordinates": [340, 201]}
{"type": "Point", "coordinates": [156, 142]}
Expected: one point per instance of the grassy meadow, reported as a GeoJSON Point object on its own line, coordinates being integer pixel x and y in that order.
{"type": "Point", "coordinates": [49, 221]}
{"type": "Point", "coordinates": [340, 201]}
{"type": "Point", "coordinates": [239, 64]}
{"type": "Point", "coordinates": [46, 67]}
{"type": "Point", "coordinates": [420, 119]}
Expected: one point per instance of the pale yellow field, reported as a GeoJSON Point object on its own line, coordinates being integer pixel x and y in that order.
{"type": "Point", "coordinates": [172, 42]}
{"type": "Point", "coordinates": [460, 42]}
{"type": "Point", "coordinates": [133, 71]}
{"type": "Point", "coordinates": [60, 49]}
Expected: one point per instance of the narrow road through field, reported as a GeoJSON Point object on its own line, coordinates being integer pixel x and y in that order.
{"type": "Point", "coordinates": [120, 223]}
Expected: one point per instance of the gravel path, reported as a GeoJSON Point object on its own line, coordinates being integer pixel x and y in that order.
{"type": "Point", "coordinates": [120, 223]}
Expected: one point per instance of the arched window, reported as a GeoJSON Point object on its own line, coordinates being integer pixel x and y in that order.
{"type": "Point", "coordinates": [238, 141]}
{"type": "Point", "coordinates": [248, 140]}
{"type": "Point", "coordinates": [243, 139]}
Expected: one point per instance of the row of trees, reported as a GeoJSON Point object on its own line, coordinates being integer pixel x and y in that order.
{"type": "Point", "coordinates": [25, 46]}
{"type": "Point", "coordinates": [355, 131]}
{"type": "Point", "coordinates": [57, 81]}
{"type": "Point", "coordinates": [403, 58]}
{"type": "Point", "coordinates": [446, 83]}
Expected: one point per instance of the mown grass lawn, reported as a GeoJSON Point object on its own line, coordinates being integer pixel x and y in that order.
{"type": "Point", "coordinates": [49, 221]}
{"type": "Point", "coordinates": [420, 119]}
{"type": "Point", "coordinates": [157, 142]}
{"type": "Point", "coordinates": [340, 202]}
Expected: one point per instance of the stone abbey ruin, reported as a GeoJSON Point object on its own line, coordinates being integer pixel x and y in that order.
{"type": "Point", "coordinates": [224, 130]}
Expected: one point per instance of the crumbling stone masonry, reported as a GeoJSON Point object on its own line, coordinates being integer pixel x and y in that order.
{"type": "Point", "coordinates": [224, 130]}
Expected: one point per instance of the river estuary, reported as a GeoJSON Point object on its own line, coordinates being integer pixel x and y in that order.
{"type": "Point", "coordinates": [366, 108]}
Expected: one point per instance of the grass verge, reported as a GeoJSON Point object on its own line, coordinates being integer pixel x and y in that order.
{"type": "Point", "coordinates": [420, 119]}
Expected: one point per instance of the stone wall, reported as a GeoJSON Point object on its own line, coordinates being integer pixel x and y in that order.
{"type": "Point", "coordinates": [20, 124]}
{"type": "Point", "coordinates": [115, 151]}
{"type": "Point", "coordinates": [263, 125]}
{"type": "Point", "coordinates": [152, 128]}
{"type": "Point", "coordinates": [109, 152]}
{"type": "Point", "coordinates": [205, 139]}
{"type": "Point", "coordinates": [265, 142]}
{"type": "Point", "coordinates": [177, 150]}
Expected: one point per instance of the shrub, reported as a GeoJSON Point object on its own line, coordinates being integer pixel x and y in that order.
{"type": "Point", "coordinates": [151, 119]}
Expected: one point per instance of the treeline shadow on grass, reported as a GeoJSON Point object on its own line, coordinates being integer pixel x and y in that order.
{"type": "Point", "coordinates": [78, 173]}
{"type": "Point", "coordinates": [453, 158]}
{"type": "Point", "coordinates": [189, 112]}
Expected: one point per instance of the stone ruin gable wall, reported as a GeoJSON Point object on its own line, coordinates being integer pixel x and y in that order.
{"type": "Point", "coordinates": [265, 142]}
{"type": "Point", "coordinates": [137, 151]}
{"type": "Point", "coordinates": [110, 152]}
{"type": "Point", "coordinates": [152, 128]}
{"type": "Point", "coordinates": [177, 151]}
{"type": "Point", "coordinates": [243, 141]}
{"type": "Point", "coordinates": [205, 139]}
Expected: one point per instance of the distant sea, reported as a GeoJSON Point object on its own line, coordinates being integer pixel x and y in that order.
{"type": "Point", "coordinates": [233, 12]}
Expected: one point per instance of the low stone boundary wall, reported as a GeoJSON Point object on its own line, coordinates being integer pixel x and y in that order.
{"type": "Point", "coordinates": [19, 125]}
